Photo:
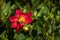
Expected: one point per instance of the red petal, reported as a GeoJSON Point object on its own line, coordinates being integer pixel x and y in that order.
{"type": "Point", "coordinates": [22, 24]}
{"type": "Point", "coordinates": [28, 14]}
{"type": "Point", "coordinates": [18, 28]}
{"type": "Point", "coordinates": [14, 25]}
{"type": "Point", "coordinates": [18, 13]}
{"type": "Point", "coordinates": [28, 20]}
{"type": "Point", "coordinates": [13, 19]}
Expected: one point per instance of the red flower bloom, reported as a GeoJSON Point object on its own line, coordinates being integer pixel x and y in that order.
{"type": "Point", "coordinates": [20, 19]}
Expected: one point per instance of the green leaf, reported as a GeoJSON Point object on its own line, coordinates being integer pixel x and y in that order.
{"type": "Point", "coordinates": [57, 38]}
{"type": "Point", "coordinates": [43, 9]}
{"type": "Point", "coordinates": [13, 7]}
{"type": "Point", "coordinates": [53, 9]}
{"type": "Point", "coordinates": [18, 4]}
{"type": "Point", "coordinates": [29, 38]}
{"type": "Point", "coordinates": [19, 36]}
{"type": "Point", "coordinates": [3, 36]}
{"type": "Point", "coordinates": [6, 9]}
{"type": "Point", "coordinates": [35, 3]}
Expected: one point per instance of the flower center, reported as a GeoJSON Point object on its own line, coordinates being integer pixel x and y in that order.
{"type": "Point", "coordinates": [21, 19]}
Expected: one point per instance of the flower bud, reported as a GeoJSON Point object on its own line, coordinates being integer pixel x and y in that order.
{"type": "Point", "coordinates": [25, 29]}
{"type": "Point", "coordinates": [24, 10]}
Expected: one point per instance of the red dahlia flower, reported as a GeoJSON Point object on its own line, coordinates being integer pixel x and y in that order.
{"type": "Point", "coordinates": [20, 19]}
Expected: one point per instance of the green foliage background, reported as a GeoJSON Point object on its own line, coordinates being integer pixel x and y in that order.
{"type": "Point", "coordinates": [46, 15]}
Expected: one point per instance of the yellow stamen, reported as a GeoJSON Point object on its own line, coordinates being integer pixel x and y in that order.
{"type": "Point", "coordinates": [21, 19]}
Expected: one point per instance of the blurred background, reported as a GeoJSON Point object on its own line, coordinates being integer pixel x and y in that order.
{"type": "Point", "coordinates": [46, 23]}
